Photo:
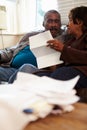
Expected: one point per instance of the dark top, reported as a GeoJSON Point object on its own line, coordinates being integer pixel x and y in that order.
{"type": "Point", "coordinates": [75, 53]}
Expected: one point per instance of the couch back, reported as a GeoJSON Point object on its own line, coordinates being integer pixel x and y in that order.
{"type": "Point", "coordinates": [9, 40]}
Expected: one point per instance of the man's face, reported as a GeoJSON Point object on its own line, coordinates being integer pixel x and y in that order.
{"type": "Point", "coordinates": [52, 22]}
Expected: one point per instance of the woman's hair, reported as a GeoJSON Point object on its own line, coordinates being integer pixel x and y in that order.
{"type": "Point", "coordinates": [80, 13]}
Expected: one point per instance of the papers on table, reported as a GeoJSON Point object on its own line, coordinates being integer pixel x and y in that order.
{"type": "Point", "coordinates": [45, 56]}
{"type": "Point", "coordinates": [37, 94]}
{"type": "Point", "coordinates": [11, 118]}
{"type": "Point", "coordinates": [60, 92]}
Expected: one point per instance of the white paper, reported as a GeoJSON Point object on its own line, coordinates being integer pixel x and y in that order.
{"type": "Point", "coordinates": [12, 104]}
{"type": "Point", "coordinates": [40, 94]}
{"type": "Point", "coordinates": [35, 83]}
{"type": "Point", "coordinates": [11, 118]}
{"type": "Point", "coordinates": [45, 56]}
{"type": "Point", "coordinates": [49, 88]}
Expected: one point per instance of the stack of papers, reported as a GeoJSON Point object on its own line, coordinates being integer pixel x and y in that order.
{"type": "Point", "coordinates": [56, 91]}
{"type": "Point", "coordinates": [45, 56]}
{"type": "Point", "coordinates": [31, 97]}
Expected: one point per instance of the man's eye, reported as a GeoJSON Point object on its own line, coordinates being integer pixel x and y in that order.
{"type": "Point", "coordinates": [55, 21]}
{"type": "Point", "coordinates": [50, 21]}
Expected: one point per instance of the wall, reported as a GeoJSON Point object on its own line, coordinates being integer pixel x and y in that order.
{"type": "Point", "coordinates": [64, 7]}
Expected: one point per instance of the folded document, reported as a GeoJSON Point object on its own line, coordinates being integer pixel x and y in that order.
{"type": "Point", "coordinates": [45, 56]}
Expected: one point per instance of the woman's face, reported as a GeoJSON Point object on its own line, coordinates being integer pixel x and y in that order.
{"type": "Point", "coordinates": [74, 28]}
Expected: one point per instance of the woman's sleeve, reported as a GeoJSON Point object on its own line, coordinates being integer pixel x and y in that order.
{"type": "Point", "coordinates": [74, 56]}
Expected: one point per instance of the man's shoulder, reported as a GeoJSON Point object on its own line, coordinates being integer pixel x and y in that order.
{"type": "Point", "coordinates": [24, 41]}
{"type": "Point", "coordinates": [27, 35]}
{"type": "Point", "coordinates": [64, 36]}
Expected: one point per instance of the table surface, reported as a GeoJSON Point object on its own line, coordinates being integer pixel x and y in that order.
{"type": "Point", "coordinates": [75, 120]}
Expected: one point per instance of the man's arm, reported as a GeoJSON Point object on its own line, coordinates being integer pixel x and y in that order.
{"type": "Point", "coordinates": [5, 55]}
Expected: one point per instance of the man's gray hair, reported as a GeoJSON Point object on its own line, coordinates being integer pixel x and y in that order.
{"type": "Point", "coordinates": [51, 11]}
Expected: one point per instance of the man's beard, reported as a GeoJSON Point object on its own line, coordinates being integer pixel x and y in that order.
{"type": "Point", "coordinates": [54, 31]}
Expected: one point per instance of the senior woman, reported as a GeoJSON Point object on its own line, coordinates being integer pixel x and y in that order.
{"type": "Point", "coordinates": [74, 52]}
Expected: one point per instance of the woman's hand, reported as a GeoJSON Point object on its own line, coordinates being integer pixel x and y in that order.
{"type": "Point", "coordinates": [55, 44]}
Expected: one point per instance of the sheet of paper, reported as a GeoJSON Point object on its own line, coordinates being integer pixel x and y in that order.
{"type": "Point", "coordinates": [45, 56]}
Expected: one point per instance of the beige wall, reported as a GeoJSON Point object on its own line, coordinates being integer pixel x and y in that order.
{"type": "Point", "coordinates": [9, 40]}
